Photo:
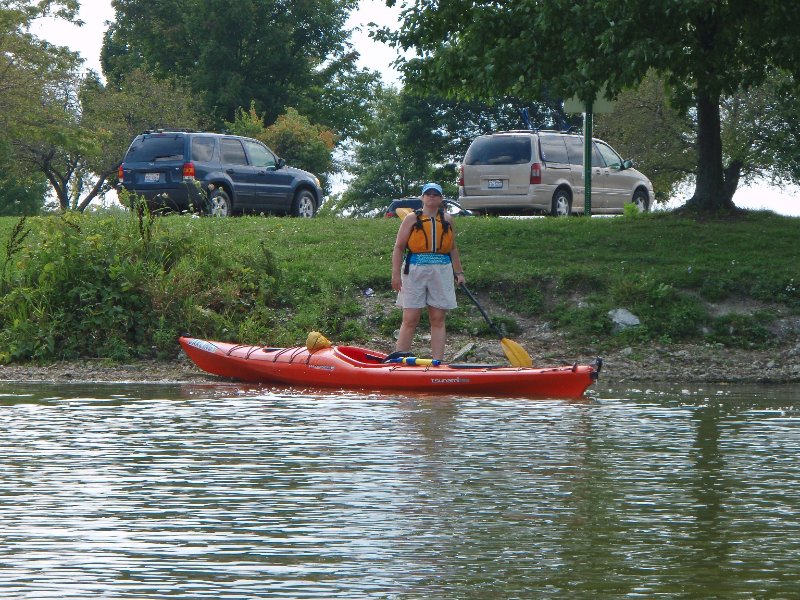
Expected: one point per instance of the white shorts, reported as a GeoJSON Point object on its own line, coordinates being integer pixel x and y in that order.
{"type": "Point", "coordinates": [427, 285]}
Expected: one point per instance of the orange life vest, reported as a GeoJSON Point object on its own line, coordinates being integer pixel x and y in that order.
{"type": "Point", "coordinates": [430, 235]}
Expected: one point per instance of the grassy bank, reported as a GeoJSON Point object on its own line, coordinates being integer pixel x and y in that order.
{"type": "Point", "coordinates": [120, 286]}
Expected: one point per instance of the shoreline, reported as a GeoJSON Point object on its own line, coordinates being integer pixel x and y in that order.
{"type": "Point", "coordinates": [666, 364]}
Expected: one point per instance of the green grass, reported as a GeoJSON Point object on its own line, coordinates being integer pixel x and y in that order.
{"type": "Point", "coordinates": [119, 286]}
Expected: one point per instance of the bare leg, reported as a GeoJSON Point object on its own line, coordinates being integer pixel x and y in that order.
{"type": "Point", "coordinates": [411, 318]}
{"type": "Point", "coordinates": [438, 332]}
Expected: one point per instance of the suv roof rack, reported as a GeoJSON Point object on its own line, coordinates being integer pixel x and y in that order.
{"type": "Point", "coordinates": [171, 130]}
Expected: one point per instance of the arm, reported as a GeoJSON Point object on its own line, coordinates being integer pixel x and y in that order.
{"type": "Point", "coordinates": [399, 248]}
{"type": "Point", "coordinates": [455, 257]}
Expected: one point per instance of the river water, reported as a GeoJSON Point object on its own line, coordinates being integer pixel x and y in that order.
{"type": "Point", "coordinates": [223, 491]}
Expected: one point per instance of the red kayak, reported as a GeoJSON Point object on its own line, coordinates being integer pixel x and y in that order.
{"type": "Point", "coordinates": [359, 368]}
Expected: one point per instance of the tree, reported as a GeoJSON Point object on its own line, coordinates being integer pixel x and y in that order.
{"type": "Point", "coordinates": [647, 128]}
{"type": "Point", "coordinates": [276, 53]}
{"type": "Point", "coordinates": [414, 138]}
{"type": "Point", "coordinates": [759, 131]}
{"type": "Point", "coordinates": [705, 51]}
{"type": "Point", "coordinates": [292, 137]}
{"type": "Point", "coordinates": [92, 125]}
{"type": "Point", "coordinates": [20, 193]}
{"type": "Point", "coordinates": [30, 69]}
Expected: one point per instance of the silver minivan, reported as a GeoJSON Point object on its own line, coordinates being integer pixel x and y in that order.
{"type": "Point", "coordinates": [542, 171]}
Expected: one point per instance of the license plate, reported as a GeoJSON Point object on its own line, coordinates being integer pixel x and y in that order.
{"type": "Point", "coordinates": [495, 184]}
{"type": "Point", "coordinates": [152, 177]}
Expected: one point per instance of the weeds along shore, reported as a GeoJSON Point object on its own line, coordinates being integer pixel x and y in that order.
{"type": "Point", "coordinates": [122, 285]}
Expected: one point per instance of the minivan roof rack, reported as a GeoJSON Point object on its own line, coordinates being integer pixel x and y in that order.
{"type": "Point", "coordinates": [534, 131]}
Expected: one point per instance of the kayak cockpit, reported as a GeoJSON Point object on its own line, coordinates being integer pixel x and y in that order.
{"type": "Point", "coordinates": [360, 355]}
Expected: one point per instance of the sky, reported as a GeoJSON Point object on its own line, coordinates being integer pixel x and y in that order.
{"type": "Point", "coordinates": [88, 40]}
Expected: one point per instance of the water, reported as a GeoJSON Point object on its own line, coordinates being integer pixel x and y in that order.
{"type": "Point", "coordinates": [222, 491]}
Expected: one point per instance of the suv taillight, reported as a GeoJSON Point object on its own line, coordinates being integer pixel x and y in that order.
{"type": "Point", "coordinates": [461, 176]}
{"type": "Point", "coordinates": [536, 173]}
{"type": "Point", "coordinates": [188, 170]}
{"type": "Point", "coordinates": [120, 173]}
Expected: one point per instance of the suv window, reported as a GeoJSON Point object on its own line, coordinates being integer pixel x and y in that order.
{"type": "Point", "coordinates": [553, 149]}
{"type": "Point", "coordinates": [156, 148]}
{"type": "Point", "coordinates": [232, 152]}
{"type": "Point", "coordinates": [259, 155]}
{"type": "Point", "coordinates": [505, 150]}
{"type": "Point", "coordinates": [202, 148]}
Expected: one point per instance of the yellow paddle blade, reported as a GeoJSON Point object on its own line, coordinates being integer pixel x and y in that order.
{"type": "Point", "coordinates": [317, 341]}
{"type": "Point", "coordinates": [402, 212]}
{"type": "Point", "coordinates": [516, 354]}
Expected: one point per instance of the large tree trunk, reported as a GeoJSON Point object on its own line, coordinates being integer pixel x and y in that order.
{"type": "Point", "coordinates": [715, 186]}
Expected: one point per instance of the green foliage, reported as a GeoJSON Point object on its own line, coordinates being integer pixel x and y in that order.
{"type": "Point", "coordinates": [705, 51]}
{"type": "Point", "coordinates": [410, 139]}
{"type": "Point", "coordinates": [648, 129]}
{"type": "Point", "coordinates": [292, 137]}
{"type": "Point", "coordinates": [21, 195]}
{"type": "Point", "coordinates": [301, 143]}
{"type": "Point", "coordinates": [742, 331]}
{"type": "Point", "coordinates": [126, 284]}
{"type": "Point", "coordinates": [276, 53]}
{"type": "Point", "coordinates": [247, 123]}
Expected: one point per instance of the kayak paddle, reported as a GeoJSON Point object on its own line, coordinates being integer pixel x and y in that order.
{"type": "Point", "coordinates": [515, 353]}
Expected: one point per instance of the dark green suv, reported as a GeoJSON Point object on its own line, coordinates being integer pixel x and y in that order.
{"type": "Point", "coordinates": [216, 174]}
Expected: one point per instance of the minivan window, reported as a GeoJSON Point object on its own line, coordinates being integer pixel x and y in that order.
{"type": "Point", "coordinates": [553, 149]}
{"type": "Point", "coordinates": [612, 159]}
{"type": "Point", "coordinates": [500, 150]}
{"type": "Point", "coordinates": [232, 152]}
{"type": "Point", "coordinates": [202, 148]}
{"type": "Point", "coordinates": [156, 148]}
{"type": "Point", "coordinates": [575, 150]}
{"type": "Point", "coordinates": [259, 155]}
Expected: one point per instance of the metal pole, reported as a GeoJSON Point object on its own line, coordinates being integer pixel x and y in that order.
{"type": "Point", "coordinates": [587, 160]}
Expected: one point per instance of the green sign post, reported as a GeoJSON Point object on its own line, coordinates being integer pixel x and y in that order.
{"type": "Point", "coordinates": [598, 105]}
{"type": "Point", "coordinates": [587, 160]}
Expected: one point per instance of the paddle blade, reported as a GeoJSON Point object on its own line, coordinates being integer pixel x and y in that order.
{"type": "Point", "coordinates": [402, 212]}
{"type": "Point", "coordinates": [317, 341]}
{"type": "Point", "coordinates": [516, 354]}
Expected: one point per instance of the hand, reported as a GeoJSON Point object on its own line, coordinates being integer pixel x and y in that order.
{"type": "Point", "coordinates": [396, 283]}
{"type": "Point", "coordinates": [460, 279]}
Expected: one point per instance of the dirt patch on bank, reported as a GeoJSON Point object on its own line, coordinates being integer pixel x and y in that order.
{"type": "Point", "coordinates": [680, 363]}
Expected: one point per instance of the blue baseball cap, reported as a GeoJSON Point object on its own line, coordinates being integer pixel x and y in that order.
{"type": "Point", "coordinates": [431, 186]}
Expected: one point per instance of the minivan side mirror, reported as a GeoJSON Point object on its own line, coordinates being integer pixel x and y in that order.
{"type": "Point", "coordinates": [626, 164]}
{"type": "Point", "coordinates": [281, 163]}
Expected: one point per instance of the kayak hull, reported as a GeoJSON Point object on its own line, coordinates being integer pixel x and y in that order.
{"type": "Point", "coordinates": [351, 367]}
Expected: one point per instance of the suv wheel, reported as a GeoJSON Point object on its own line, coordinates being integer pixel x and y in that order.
{"type": "Point", "coordinates": [641, 200]}
{"type": "Point", "coordinates": [219, 205]}
{"type": "Point", "coordinates": [562, 203]}
{"type": "Point", "coordinates": [304, 205]}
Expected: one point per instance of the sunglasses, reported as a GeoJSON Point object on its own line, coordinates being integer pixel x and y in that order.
{"type": "Point", "coordinates": [432, 193]}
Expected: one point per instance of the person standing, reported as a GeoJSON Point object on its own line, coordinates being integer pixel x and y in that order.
{"type": "Point", "coordinates": [432, 267]}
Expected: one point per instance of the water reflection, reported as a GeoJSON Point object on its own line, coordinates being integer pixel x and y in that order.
{"type": "Point", "coordinates": [228, 491]}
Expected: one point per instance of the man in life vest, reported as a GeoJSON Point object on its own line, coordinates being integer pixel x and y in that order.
{"type": "Point", "coordinates": [432, 267]}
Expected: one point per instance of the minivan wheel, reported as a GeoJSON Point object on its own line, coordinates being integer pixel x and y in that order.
{"type": "Point", "coordinates": [304, 204]}
{"type": "Point", "coordinates": [219, 205]}
{"type": "Point", "coordinates": [562, 203]}
{"type": "Point", "coordinates": [641, 200]}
